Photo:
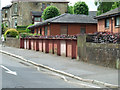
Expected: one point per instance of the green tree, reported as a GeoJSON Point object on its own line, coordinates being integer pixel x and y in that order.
{"type": "Point", "coordinates": [50, 12]}
{"type": "Point", "coordinates": [70, 9]}
{"type": "Point", "coordinates": [81, 8]}
{"type": "Point", "coordinates": [116, 4]}
{"type": "Point", "coordinates": [103, 7]}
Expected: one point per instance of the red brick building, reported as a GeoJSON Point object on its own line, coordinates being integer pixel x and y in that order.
{"type": "Point", "coordinates": [66, 24]}
{"type": "Point", "coordinates": [109, 21]}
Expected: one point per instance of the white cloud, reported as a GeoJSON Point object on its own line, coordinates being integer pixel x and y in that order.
{"type": "Point", "coordinates": [5, 2]}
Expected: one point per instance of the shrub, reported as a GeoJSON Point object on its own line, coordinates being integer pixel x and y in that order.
{"type": "Point", "coordinates": [21, 29]}
{"type": "Point", "coordinates": [11, 33]}
{"type": "Point", "coordinates": [28, 30]}
{"type": "Point", "coordinates": [104, 37]}
{"type": "Point", "coordinates": [50, 12]}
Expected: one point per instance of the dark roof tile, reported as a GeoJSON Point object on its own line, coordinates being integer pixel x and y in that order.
{"type": "Point", "coordinates": [68, 18]}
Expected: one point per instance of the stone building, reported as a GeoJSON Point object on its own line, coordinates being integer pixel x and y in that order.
{"type": "Point", "coordinates": [25, 12]}
{"type": "Point", "coordinates": [6, 15]}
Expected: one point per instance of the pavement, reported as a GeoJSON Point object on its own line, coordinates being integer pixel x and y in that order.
{"type": "Point", "coordinates": [82, 69]}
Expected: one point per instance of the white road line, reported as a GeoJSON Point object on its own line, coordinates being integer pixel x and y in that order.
{"type": "Point", "coordinates": [8, 70]}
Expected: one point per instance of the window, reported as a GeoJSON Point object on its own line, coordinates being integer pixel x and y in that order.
{"type": "Point", "coordinates": [15, 8]}
{"type": "Point", "coordinates": [106, 23]}
{"type": "Point", "coordinates": [64, 30]}
{"type": "Point", "coordinates": [37, 19]}
{"type": "Point", "coordinates": [15, 23]}
{"type": "Point", "coordinates": [37, 30]}
{"type": "Point", "coordinates": [46, 29]}
{"type": "Point", "coordinates": [48, 4]}
{"type": "Point", "coordinates": [43, 6]}
{"type": "Point", "coordinates": [117, 21]}
{"type": "Point", "coordinates": [6, 13]}
{"type": "Point", "coordinates": [40, 31]}
{"type": "Point", "coordinates": [83, 30]}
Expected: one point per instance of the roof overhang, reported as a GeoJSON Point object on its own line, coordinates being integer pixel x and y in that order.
{"type": "Point", "coordinates": [107, 16]}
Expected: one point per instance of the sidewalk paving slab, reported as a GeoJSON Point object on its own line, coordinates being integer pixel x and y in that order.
{"type": "Point", "coordinates": [73, 66]}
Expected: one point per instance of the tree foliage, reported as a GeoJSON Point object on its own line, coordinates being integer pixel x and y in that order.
{"type": "Point", "coordinates": [28, 30]}
{"type": "Point", "coordinates": [70, 9]}
{"type": "Point", "coordinates": [50, 12]}
{"type": "Point", "coordinates": [103, 7]}
{"type": "Point", "coordinates": [116, 4]}
{"type": "Point", "coordinates": [81, 8]}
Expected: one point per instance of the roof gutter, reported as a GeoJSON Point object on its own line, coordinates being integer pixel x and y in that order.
{"type": "Point", "coordinates": [107, 16]}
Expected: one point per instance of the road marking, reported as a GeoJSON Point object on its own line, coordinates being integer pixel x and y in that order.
{"type": "Point", "coordinates": [9, 71]}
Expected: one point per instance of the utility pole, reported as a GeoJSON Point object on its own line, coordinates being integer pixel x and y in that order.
{"type": "Point", "coordinates": [0, 19]}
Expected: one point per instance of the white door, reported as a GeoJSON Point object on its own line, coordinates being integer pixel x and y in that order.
{"type": "Point", "coordinates": [63, 48]}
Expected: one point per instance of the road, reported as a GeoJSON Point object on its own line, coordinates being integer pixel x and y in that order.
{"type": "Point", "coordinates": [29, 77]}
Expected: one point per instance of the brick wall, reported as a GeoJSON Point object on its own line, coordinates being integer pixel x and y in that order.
{"type": "Point", "coordinates": [73, 29]}
{"type": "Point", "coordinates": [101, 26]}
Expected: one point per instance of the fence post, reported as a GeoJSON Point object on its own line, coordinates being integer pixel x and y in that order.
{"type": "Point", "coordinates": [29, 43]}
{"type": "Point", "coordinates": [66, 47]}
{"type": "Point", "coordinates": [21, 40]}
{"type": "Point", "coordinates": [52, 46]}
{"type": "Point", "coordinates": [46, 46]}
{"type": "Point", "coordinates": [42, 45]}
{"type": "Point", "coordinates": [58, 47]}
{"type": "Point", "coordinates": [74, 44]}
{"type": "Point", "coordinates": [81, 46]}
{"type": "Point", "coordinates": [37, 45]}
{"type": "Point", "coordinates": [33, 43]}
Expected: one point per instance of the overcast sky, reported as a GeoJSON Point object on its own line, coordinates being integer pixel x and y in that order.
{"type": "Point", "coordinates": [90, 3]}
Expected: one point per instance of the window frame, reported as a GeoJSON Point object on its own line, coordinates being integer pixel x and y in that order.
{"type": "Point", "coordinates": [6, 12]}
{"type": "Point", "coordinates": [15, 23]}
{"type": "Point", "coordinates": [63, 28]}
{"type": "Point", "coordinates": [117, 23]}
{"type": "Point", "coordinates": [40, 31]}
{"type": "Point", "coordinates": [43, 7]}
{"type": "Point", "coordinates": [46, 30]}
{"type": "Point", "coordinates": [107, 20]}
{"type": "Point", "coordinates": [15, 8]}
{"type": "Point", "coordinates": [36, 19]}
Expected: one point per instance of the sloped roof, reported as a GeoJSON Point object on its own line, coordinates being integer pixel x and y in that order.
{"type": "Point", "coordinates": [7, 7]}
{"type": "Point", "coordinates": [68, 18]}
{"type": "Point", "coordinates": [65, 1]}
{"type": "Point", "coordinates": [36, 13]}
{"type": "Point", "coordinates": [113, 12]}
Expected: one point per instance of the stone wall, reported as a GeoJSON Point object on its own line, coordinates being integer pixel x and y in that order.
{"type": "Point", "coordinates": [107, 55]}
{"type": "Point", "coordinates": [12, 42]}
